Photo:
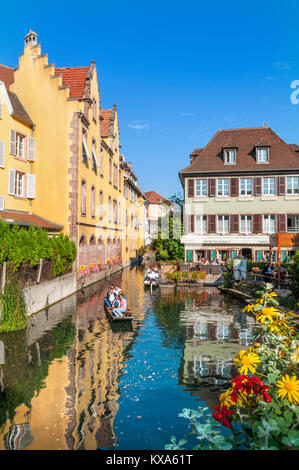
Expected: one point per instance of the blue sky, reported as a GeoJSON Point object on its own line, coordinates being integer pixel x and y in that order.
{"type": "Point", "coordinates": [177, 70]}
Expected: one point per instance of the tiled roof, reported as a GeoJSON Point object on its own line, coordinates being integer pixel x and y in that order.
{"type": "Point", "coordinates": [19, 111]}
{"type": "Point", "coordinates": [74, 77]}
{"type": "Point", "coordinates": [153, 198]}
{"type": "Point", "coordinates": [23, 218]}
{"type": "Point", "coordinates": [6, 75]}
{"type": "Point", "coordinates": [210, 159]}
{"type": "Point", "coordinates": [105, 122]}
{"type": "Point", "coordinates": [294, 147]}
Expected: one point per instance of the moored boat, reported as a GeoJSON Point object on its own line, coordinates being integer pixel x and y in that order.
{"type": "Point", "coordinates": [150, 282]}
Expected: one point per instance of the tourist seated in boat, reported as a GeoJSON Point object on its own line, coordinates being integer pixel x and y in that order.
{"type": "Point", "coordinates": [122, 307]}
{"type": "Point", "coordinates": [156, 274]}
{"type": "Point", "coordinates": [117, 290]}
{"type": "Point", "coordinates": [111, 298]}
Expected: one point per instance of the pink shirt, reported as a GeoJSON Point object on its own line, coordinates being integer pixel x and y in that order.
{"type": "Point", "coordinates": [123, 303]}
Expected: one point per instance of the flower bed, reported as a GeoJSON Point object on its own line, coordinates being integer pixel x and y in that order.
{"type": "Point", "coordinates": [186, 276]}
{"type": "Point", "coordinates": [260, 408]}
{"type": "Point", "coordinates": [99, 266]}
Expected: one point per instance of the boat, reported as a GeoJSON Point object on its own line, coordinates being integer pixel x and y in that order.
{"type": "Point", "coordinates": [150, 282]}
{"type": "Point", "coordinates": [127, 315]}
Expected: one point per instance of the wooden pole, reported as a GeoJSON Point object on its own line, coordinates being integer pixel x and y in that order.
{"type": "Point", "coordinates": [278, 260]}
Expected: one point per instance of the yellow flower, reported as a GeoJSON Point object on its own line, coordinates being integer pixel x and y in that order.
{"type": "Point", "coordinates": [267, 313]}
{"type": "Point", "coordinates": [280, 328]}
{"type": "Point", "coordinates": [249, 308]}
{"type": "Point", "coordinates": [289, 388]}
{"type": "Point", "coordinates": [225, 398]}
{"type": "Point", "coordinates": [247, 361]}
{"type": "Point", "coordinates": [294, 358]}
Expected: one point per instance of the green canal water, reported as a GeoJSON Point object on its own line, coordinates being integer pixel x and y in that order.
{"type": "Point", "coordinates": [74, 381]}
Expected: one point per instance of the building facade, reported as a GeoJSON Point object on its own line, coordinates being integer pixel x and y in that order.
{"type": "Point", "coordinates": [70, 153]}
{"type": "Point", "coordinates": [239, 190]}
{"type": "Point", "coordinates": [157, 208]}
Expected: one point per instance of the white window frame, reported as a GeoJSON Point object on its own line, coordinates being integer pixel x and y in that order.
{"type": "Point", "coordinates": [261, 152]}
{"type": "Point", "coordinates": [245, 223]}
{"type": "Point", "coordinates": [200, 224]}
{"type": "Point", "coordinates": [19, 183]}
{"type": "Point", "coordinates": [269, 219]}
{"type": "Point", "coordinates": [294, 188]}
{"type": "Point", "coordinates": [267, 186]}
{"type": "Point", "coordinates": [247, 187]}
{"type": "Point", "coordinates": [20, 145]}
{"type": "Point", "coordinates": [201, 188]}
{"type": "Point", "coordinates": [228, 154]}
{"type": "Point", "coordinates": [222, 183]}
{"type": "Point", "coordinates": [222, 220]}
{"type": "Point", "coordinates": [2, 154]}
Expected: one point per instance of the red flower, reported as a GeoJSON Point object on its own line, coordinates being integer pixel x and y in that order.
{"type": "Point", "coordinates": [222, 414]}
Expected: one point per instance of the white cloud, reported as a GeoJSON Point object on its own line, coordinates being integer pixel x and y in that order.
{"type": "Point", "coordinates": [139, 125]}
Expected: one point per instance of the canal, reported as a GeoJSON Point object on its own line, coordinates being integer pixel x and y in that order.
{"type": "Point", "coordinates": [74, 381]}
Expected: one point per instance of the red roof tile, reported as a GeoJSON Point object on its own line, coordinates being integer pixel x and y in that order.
{"type": "Point", "coordinates": [210, 159]}
{"type": "Point", "coordinates": [155, 198]}
{"type": "Point", "coordinates": [23, 218]}
{"type": "Point", "coordinates": [6, 75]}
{"type": "Point", "coordinates": [74, 77]}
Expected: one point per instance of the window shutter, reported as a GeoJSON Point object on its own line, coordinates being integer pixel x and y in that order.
{"type": "Point", "coordinates": [257, 223]}
{"type": "Point", "coordinates": [234, 187]}
{"type": "Point", "coordinates": [11, 182]}
{"type": "Point", "coordinates": [281, 223]}
{"type": "Point", "coordinates": [191, 188]}
{"type": "Point", "coordinates": [1, 154]}
{"type": "Point", "coordinates": [281, 185]}
{"type": "Point", "coordinates": [85, 146]}
{"type": "Point", "coordinates": [12, 142]}
{"type": "Point", "coordinates": [212, 187]}
{"type": "Point", "coordinates": [234, 223]}
{"type": "Point", "coordinates": [211, 223]}
{"type": "Point", "coordinates": [257, 186]}
{"type": "Point", "coordinates": [30, 186]}
{"type": "Point", "coordinates": [192, 223]}
{"type": "Point", "coordinates": [1, 203]}
{"type": "Point", "coordinates": [30, 149]}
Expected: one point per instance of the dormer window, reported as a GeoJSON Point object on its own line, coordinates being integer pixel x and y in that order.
{"type": "Point", "coordinates": [230, 156]}
{"type": "Point", "coordinates": [262, 155]}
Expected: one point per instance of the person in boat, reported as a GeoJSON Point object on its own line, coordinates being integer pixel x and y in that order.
{"type": "Point", "coordinates": [117, 290]}
{"type": "Point", "coordinates": [111, 298]}
{"type": "Point", "coordinates": [156, 273]}
{"type": "Point", "coordinates": [119, 311]}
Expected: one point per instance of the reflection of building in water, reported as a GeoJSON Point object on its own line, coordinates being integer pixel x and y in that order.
{"type": "Point", "coordinates": [213, 338]}
{"type": "Point", "coordinates": [19, 436]}
{"type": "Point", "coordinates": [98, 360]}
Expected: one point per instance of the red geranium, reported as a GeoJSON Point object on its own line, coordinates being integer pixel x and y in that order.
{"type": "Point", "coordinates": [221, 414]}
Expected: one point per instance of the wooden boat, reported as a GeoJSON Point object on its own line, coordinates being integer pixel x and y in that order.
{"type": "Point", "coordinates": [150, 282]}
{"type": "Point", "coordinates": [127, 315]}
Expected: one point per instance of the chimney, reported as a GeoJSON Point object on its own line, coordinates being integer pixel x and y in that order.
{"type": "Point", "coordinates": [30, 39]}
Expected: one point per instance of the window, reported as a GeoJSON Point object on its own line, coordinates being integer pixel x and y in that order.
{"type": "Point", "coordinates": [114, 211]}
{"type": "Point", "coordinates": [109, 209]}
{"type": "Point", "coordinates": [20, 139]}
{"type": "Point", "coordinates": [200, 223]}
{"type": "Point", "coordinates": [200, 188]}
{"type": "Point", "coordinates": [223, 187]}
{"type": "Point", "coordinates": [262, 155]}
{"type": "Point", "coordinates": [110, 170]}
{"type": "Point", "coordinates": [269, 224]}
{"type": "Point", "coordinates": [230, 156]}
{"type": "Point", "coordinates": [93, 201]}
{"type": "Point", "coordinates": [83, 197]}
{"type": "Point", "coordinates": [246, 224]}
{"type": "Point", "coordinates": [19, 183]}
{"type": "Point", "coordinates": [293, 223]}
{"type": "Point", "coordinates": [268, 186]}
{"type": "Point", "coordinates": [223, 224]}
{"type": "Point", "coordinates": [101, 208]}
{"type": "Point", "coordinates": [102, 162]}
{"type": "Point", "coordinates": [293, 185]}
{"type": "Point", "coordinates": [84, 148]}
{"type": "Point", "coordinates": [245, 186]}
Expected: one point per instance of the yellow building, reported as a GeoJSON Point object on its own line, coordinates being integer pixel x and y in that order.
{"type": "Point", "coordinates": [76, 175]}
